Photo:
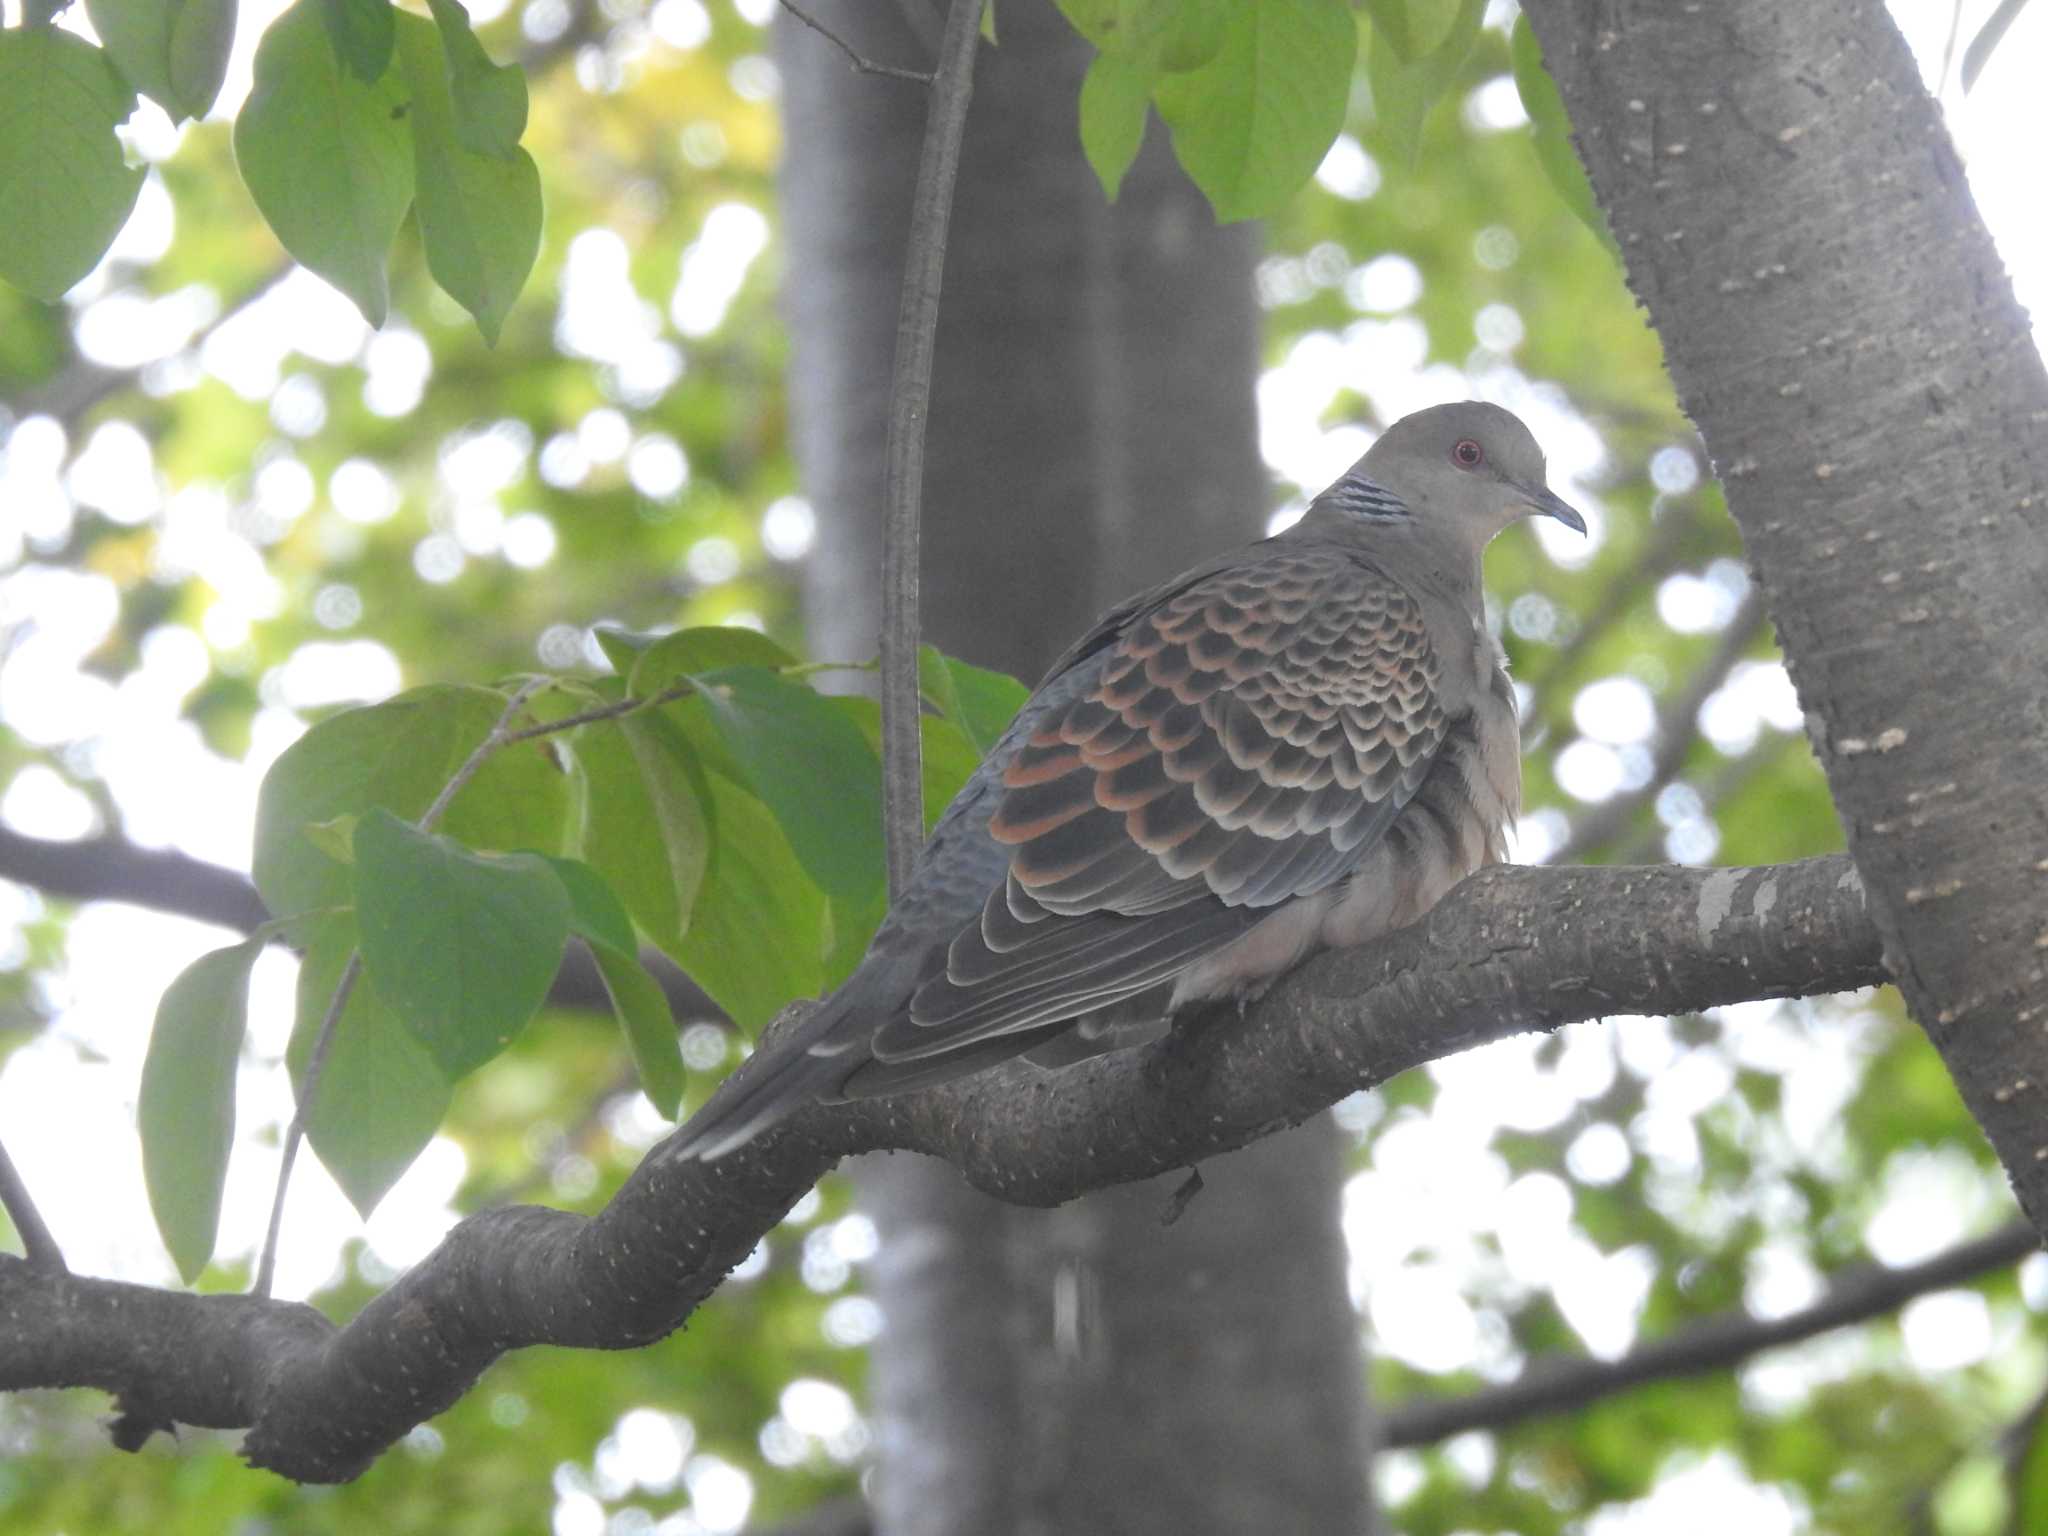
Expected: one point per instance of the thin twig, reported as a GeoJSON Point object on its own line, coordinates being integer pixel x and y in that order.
{"type": "Point", "coordinates": [917, 325]}
{"type": "Point", "coordinates": [500, 734]}
{"type": "Point", "coordinates": [616, 711]}
{"type": "Point", "coordinates": [316, 1059]}
{"type": "Point", "coordinates": [1560, 1385]}
{"type": "Point", "coordinates": [1677, 728]}
{"type": "Point", "coordinates": [1948, 48]}
{"type": "Point", "coordinates": [1668, 536]}
{"type": "Point", "coordinates": [860, 61]}
{"type": "Point", "coordinates": [36, 1242]}
{"type": "Point", "coordinates": [1728, 781]}
{"type": "Point", "coordinates": [316, 1062]}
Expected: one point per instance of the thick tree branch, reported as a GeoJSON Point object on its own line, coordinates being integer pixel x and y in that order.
{"type": "Point", "coordinates": [1510, 950]}
{"type": "Point", "coordinates": [1565, 1385]}
{"type": "Point", "coordinates": [1841, 329]}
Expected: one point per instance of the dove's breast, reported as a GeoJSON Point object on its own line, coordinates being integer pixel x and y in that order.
{"type": "Point", "coordinates": [1457, 822]}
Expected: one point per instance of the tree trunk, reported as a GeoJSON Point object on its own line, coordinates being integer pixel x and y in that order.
{"type": "Point", "coordinates": [1795, 218]}
{"type": "Point", "coordinates": [1091, 430]}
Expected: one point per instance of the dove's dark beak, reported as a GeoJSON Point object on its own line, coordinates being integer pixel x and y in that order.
{"type": "Point", "coordinates": [1544, 502]}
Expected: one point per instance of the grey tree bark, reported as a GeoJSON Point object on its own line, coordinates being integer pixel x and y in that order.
{"type": "Point", "coordinates": [1839, 326]}
{"type": "Point", "coordinates": [1091, 430]}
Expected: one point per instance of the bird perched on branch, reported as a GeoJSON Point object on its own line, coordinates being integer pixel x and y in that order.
{"type": "Point", "coordinates": [1303, 742]}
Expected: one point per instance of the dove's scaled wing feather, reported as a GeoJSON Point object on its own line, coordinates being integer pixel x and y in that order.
{"type": "Point", "coordinates": [1241, 745]}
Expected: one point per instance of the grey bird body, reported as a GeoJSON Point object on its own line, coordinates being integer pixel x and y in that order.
{"type": "Point", "coordinates": [1302, 742]}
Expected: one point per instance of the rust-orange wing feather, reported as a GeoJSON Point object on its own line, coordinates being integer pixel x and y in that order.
{"type": "Point", "coordinates": [1242, 745]}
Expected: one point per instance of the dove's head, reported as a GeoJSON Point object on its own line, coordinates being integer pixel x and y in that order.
{"type": "Point", "coordinates": [1465, 471]}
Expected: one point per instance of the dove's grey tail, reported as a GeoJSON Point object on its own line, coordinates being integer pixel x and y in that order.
{"type": "Point", "coordinates": [798, 1066]}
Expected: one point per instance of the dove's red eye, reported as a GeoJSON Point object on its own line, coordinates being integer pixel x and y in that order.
{"type": "Point", "coordinates": [1468, 454]}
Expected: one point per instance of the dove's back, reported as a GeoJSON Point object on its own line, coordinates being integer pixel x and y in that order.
{"type": "Point", "coordinates": [1179, 811]}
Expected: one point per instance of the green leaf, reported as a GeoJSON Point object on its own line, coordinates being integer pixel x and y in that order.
{"type": "Point", "coordinates": [1551, 132]}
{"type": "Point", "coordinates": [757, 940]}
{"type": "Point", "coordinates": [1153, 35]}
{"type": "Point", "coordinates": [811, 767]}
{"type": "Point", "coordinates": [948, 757]}
{"type": "Point", "coordinates": [643, 775]}
{"type": "Point", "coordinates": [2030, 1490]}
{"type": "Point", "coordinates": [1988, 37]}
{"type": "Point", "coordinates": [980, 702]}
{"type": "Point", "coordinates": [1253, 123]}
{"type": "Point", "coordinates": [489, 99]}
{"type": "Point", "coordinates": [327, 157]}
{"type": "Point", "coordinates": [397, 756]}
{"type": "Point", "coordinates": [202, 39]}
{"type": "Point", "coordinates": [381, 1095]}
{"type": "Point", "coordinates": [173, 51]}
{"type": "Point", "coordinates": [596, 915]}
{"type": "Point", "coordinates": [479, 213]}
{"type": "Point", "coordinates": [363, 33]}
{"type": "Point", "coordinates": [1115, 96]}
{"type": "Point", "coordinates": [649, 1027]}
{"type": "Point", "coordinates": [1406, 87]}
{"type": "Point", "coordinates": [65, 188]}
{"type": "Point", "coordinates": [655, 661]}
{"type": "Point", "coordinates": [185, 1113]}
{"type": "Point", "coordinates": [1390, 25]}
{"type": "Point", "coordinates": [460, 945]}
{"type": "Point", "coordinates": [336, 838]}
{"type": "Point", "coordinates": [949, 760]}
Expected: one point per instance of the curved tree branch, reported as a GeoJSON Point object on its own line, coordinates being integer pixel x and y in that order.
{"type": "Point", "coordinates": [1565, 1385]}
{"type": "Point", "coordinates": [1510, 950]}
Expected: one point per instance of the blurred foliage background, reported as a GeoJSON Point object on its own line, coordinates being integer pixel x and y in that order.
{"type": "Point", "coordinates": [226, 506]}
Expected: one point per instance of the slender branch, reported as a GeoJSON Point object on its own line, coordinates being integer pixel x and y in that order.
{"type": "Point", "coordinates": [36, 1241]}
{"type": "Point", "coordinates": [316, 1059]}
{"type": "Point", "coordinates": [858, 60]}
{"type": "Point", "coordinates": [1510, 950]}
{"type": "Point", "coordinates": [910, 393]}
{"type": "Point", "coordinates": [617, 711]}
{"type": "Point", "coordinates": [295, 1133]}
{"type": "Point", "coordinates": [1727, 781]}
{"type": "Point", "coordinates": [1560, 1385]}
{"type": "Point", "coordinates": [1677, 728]}
{"type": "Point", "coordinates": [1658, 555]}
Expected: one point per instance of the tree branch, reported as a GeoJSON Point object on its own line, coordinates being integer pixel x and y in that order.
{"type": "Point", "coordinates": [1678, 727]}
{"type": "Point", "coordinates": [1562, 1385]}
{"type": "Point", "coordinates": [36, 1241]}
{"type": "Point", "coordinates": [854, 56]}
{"type": "Point", "coordinates": [110, 868]}
{"type": "Point", "coordinates": [1510, 950]}
{"type": "Point", "coordinates": [910, 393]}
